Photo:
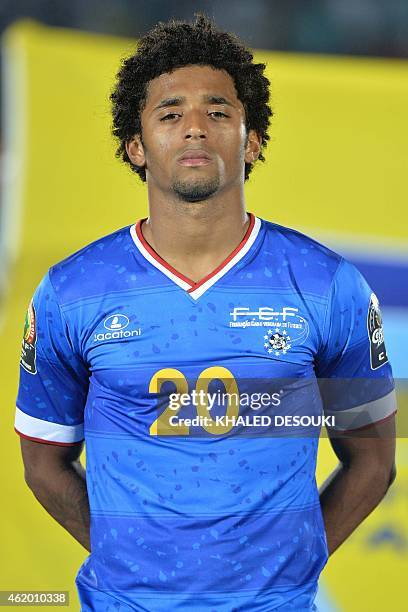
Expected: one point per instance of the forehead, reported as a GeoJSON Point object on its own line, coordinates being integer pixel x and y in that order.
{"type": "Point", "coordinates": [191, 80]}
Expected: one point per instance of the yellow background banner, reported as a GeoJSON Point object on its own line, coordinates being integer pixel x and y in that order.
{"type": "Point", "coordinates": [336, 166]}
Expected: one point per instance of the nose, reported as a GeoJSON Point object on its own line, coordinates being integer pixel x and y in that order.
{"type": "Point", "coordinates": [195, 126]}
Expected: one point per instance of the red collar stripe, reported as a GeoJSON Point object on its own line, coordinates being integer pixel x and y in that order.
{"type": "Point", "coordinates": [156, 256]}
{"type": "Point", "coordinates": [193, 285]}
{"type": "Point", "coordinates": [230, 256]}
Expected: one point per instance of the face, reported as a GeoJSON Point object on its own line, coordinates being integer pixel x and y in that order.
{"type": "Point", "coordinates": [194, 142]}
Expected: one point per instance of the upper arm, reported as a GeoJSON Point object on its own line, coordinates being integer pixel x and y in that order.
{"type": "Point", "coordinates": [355, 376]}
{"type": "Point", "coordinates": [41, 460]}
{"type": "Point", "coordinates": [372, 446]}
{"type": "Point", "coordinates": [54, 379]}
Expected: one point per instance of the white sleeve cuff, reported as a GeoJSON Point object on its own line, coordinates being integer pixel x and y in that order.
{"type": "Point", "coordinates": [365, 414]}
{"type": "Point", "coordinates": [47, 431]}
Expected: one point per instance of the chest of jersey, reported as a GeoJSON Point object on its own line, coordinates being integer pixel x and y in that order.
{"type": "Point", "coordinates": [142, 348]}
{"type": "Point", "coordinates": [273, 330]}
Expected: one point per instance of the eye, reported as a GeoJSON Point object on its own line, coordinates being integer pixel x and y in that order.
{"type": "Point", "coordinates": [218, 114]}
{"type": "Point", "coordinates": [169, 116]}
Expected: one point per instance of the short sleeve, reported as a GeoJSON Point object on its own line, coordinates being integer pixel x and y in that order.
{"type": "Point", "coordinates": [54, 381]}
{"type": "Point", "coordinates": [356, 381]}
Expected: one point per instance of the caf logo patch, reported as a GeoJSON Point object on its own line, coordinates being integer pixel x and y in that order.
{"type": "Point", "coordinates": [28, 345]}
{"type": "Point", "coordinates": [378, 354]}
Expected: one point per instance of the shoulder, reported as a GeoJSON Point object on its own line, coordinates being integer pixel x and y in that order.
{"type": "Point", "coordinates": [301, 259]}
{"type": "Point", "coordinates": [86, 272]}
{"type": "Point", "coordinates": [296, 244]}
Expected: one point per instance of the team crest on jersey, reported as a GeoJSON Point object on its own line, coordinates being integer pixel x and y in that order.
{"type": "Point", "coordinates": [277, 343]}
{"type": "Point", "coordinates": [378, 354]}
{"type": "Point", "coordinates": [28, 350]}
{"type": "Point", "coordinates": [283, 327]}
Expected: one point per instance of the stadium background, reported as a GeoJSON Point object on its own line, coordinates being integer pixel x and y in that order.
{"type": "Point", "coordinates": [336, 169]}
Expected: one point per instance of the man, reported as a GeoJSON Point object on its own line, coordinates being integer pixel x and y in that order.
{"type": "Point", "coordinates": [129, 340]}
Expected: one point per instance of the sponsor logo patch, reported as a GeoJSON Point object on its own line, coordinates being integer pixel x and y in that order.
{"type": "Point", "coordinates": [116, 325]}
{"type": "Point", "coordinates": [116, 322]}
{"type": "Point", "coordinates": [28, 350]}
{"type": "Point", "coordinates": [378, 354]}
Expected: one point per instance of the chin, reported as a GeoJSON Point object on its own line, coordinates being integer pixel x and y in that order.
{"type": "Point", "coordinates": [196, 190]}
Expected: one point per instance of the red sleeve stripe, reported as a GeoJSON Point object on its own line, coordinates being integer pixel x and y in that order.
{"type": "Point", "coordinates": [47, 441]}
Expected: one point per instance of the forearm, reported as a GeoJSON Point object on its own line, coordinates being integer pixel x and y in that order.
{"type": "Point", "coordinates": [64, 495]}
{"type": "Point", "coordinates": [348, 496]}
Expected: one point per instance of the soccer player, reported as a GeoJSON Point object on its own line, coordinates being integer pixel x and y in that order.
{"type": "Point", "coordinates": [129, 343]}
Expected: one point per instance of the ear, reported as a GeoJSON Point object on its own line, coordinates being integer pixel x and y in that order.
{"type": "Point", "coordinates": [252, 147]}
{"type": "Point", "coordinates": [135, 151]}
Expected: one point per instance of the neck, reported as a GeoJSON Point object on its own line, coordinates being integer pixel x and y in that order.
{"type": "Point", "coordinates": [195, 237]}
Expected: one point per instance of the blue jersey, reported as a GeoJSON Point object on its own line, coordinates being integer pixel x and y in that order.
{"type": "Point", "coordinates": [196, 402]}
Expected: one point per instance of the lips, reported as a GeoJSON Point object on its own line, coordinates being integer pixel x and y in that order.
{"type": "Point", "coordinates": [194, 157]}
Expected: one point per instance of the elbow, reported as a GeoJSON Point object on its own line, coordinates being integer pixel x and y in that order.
{"type": "Point", "coordinates": [31, 479]}
{"type": "Point", "coordinates": [387, 478]}
{"type": "Point", "coordinates": [392, 475]}
{"type": "Point", "coordinates": [381, 479]}
{"type": "Point", "coordinates": [28, 479]}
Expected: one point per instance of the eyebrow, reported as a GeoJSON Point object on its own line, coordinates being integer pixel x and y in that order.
{"type": "Point", "coordinates": [210, 99]}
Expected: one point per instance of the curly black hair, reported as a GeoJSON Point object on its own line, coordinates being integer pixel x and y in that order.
{"type": "Point", "coordinates": [176, 44]}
